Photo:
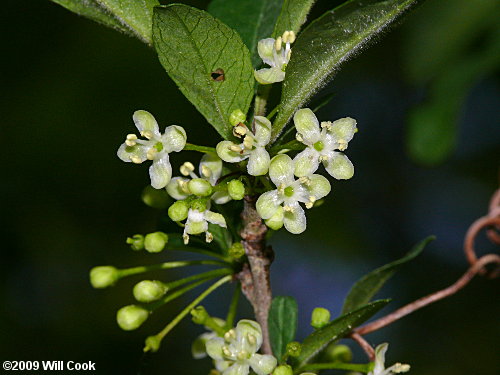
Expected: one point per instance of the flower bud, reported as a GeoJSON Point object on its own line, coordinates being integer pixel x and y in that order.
{"type": "Point", "coordinates": [131, 317]}
{"type": "Point", "coordinates": [136, 242]}
{"type": "Point", "coordinates": [149, 290]}
{"type": "Point", "coordinates": [338, 353]}
{"type": "Point", "coordinates": [178, 211]}
{"type": "Point", "coordinates": [103, 276]}
{"type": "Point", "coordinates": [236, 189]}
{"type": "Point", "coordinates": [236, 117]}
{"type": "Point", "coordinates": [155, 198]}
{"type": "Point", "coordinates": [200, 187]}
{"type": "Point", "coordinates": [200, 315]}
{"type": "Point", "coordinates": [236, 251]}
{"type": "Point", "coordinates": [320, 317]}
{"type": "Point", "coordinates": [199, 205]}
{"type": "Point", "coordinates": [283, 370]}
{"type": "Point", "coordinates": [152, 344]}
{"type": "Point", "coordinates": [293, 349]}
{"type": "Point", "coordinates": [155, 242]}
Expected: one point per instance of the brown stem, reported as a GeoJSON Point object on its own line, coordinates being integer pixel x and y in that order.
{"type": "Point", "coordinates": [255, 280]}
{"type": "Point", "coordinates": [370, 352]}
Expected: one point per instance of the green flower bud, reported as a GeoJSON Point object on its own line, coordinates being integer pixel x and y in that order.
{"type": "Point", "coordinates": [103, 276]}
{"type": "Point", "coordinates": [149, 290]}
{"type": "Point", "coordinates": [131, 317]}
{"type": "Point", "coordinates": [155, 198]}
{"type": "Point", "coordinates": [338, 353]}
{"type": "Point", "coordinates": [320, 317]}
{"type": "Point", "coordinates": [155, 242]}
{"type": "Point", "coordinates": [200, 187]}
{"type": "Point", "coordinates": [236, 117]}
{"type": "Point", "coordinates": [236, 189]}
{"type": "Point", "coordinates": [152, 344]}
{"type": "Point", "coordinates": [293, 349]}
{"type": "Point", "coordinates": [200, 315]}
{"type": "Point", "coordinates": [199, 205]}
{"type": "Point", "coordinates": [136, 242]}
{"type": "Point", "coordinates": [283, 370]}
{"type": "Point", "coordinates": [178, 211]}
{"type": "Point", "coordinates": [236, 251]}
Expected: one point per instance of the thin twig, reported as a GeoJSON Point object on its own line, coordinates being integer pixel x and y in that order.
{"type": "Point", "coordinates": [364, 345]}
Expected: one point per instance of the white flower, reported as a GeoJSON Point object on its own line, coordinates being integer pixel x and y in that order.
{"type": "Point", "coordinates": [210, 169]}
{"type": "Point", "coordinates": [198, 349]}
{"type": "Point", "coordinates": [273, 54]}
{"type": "Point", "coordinates": [282, 204]}
{"type": "Point", "coordinates": [236, 353]}
{"type": "Point", "coordinates": [252, 148]}
{"type": "Point", "coordinates": [156, 147]}
{"type": "Point", "coordinates": [197, 223]}
{"type": "Point", "coordinates": [322, 143]}
{"type": "Point", "coordinates": [380, 369]}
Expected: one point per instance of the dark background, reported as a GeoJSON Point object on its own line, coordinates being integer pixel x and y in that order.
{"type": "Point", "coordinates": [69, 88]}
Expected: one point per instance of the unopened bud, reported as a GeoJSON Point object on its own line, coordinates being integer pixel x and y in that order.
{"type": "Point", "coordinates": [236, 117]}
{"type": "Point", "coordinates": [283, 370]}
{"type": "Point", "coordinates": [136, 242]}
{"type": "Point", "coordinates": [236, 251]}
{"type": "Point", "coordinates": [200, 187]}
{"type": "Point", "coordinates": [149, 290]}
{"type": "Point", "coordinates": [200, 315]}
{"type": "Point", "coordinates": [199, 205]}
{"type": "Point", "coordinates": [338, 353]}
{"type": "Point", "coordinates": [131, 317]}
{"type": "Point", "coordinates": [320, 317]}
{"type": "Point", "coordinates": [178, 211]}
{"type": "Point", "coordinates": [103, 276]}
{"type": "Point", "coordinates": [293, 349]}
{"type": "Point", "coordinates": [155, 242]}
{"type": "Point", "coordinates": [155, 198]}
{"type": "Point", "coordinates": [236, 189]}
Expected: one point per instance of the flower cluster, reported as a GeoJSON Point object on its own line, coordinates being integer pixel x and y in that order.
{"type": "Point", "coordinates": [271, 51]}
{"type": "Point", "coordinates": [379, 368]}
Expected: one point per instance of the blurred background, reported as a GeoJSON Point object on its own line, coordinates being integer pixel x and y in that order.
{"type": "Point", "coordinates": [426, 99]}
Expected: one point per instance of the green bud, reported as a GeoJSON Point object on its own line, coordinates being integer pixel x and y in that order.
{"type": "Point", "coordinates": [103, 276]}
{"type": "Point", "coordinates": [320, 317]}
{"type": "Point", "coordinates": [236, 117]}
{"type": "Point", "coordinates": [283, 370]}
{"type": "Point", "coordinates": [155, 242]}
{"type": "Point", "coordinates": [236, 189]}
{"type": "Point", "coordinates": [200, 315]}
{"type": "Point", "coordinates": [199, 205]}
{"type": "Point", "coordinates": [293, 349]}
{"type": "Point", "coordinates": [136, 242]}
{"type": "Point", "coordinates": [236, 251]}
{"type": "Point", "coordinates": [131, 317]}
{"type": "Point", "coordinates": [275, 222]}
{"type": "Point", "coordinates": [338, 353]}
{"type": "Point", "coordinates": [152, 344]}
{"type": "Point", "coordinates": [149, 290]}
{"type": "Point", "coordinates": [178, 211]}
{"type": "Point", "coordinates": [155, 198]}
{"type": "Point", "coordinates": [200, 187]}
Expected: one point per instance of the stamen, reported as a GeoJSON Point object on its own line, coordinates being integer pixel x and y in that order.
{"type": "Point", "coordinates": [323, 158]}
{"type": "Point", "coordinates": [136, 159]}
{"type": "Point", "coordinates": [242, 355]}
{"type": "Point", "coordinates": [240, 130]}
{"type": "Point", "coordinates": [205, 171]}
{"type": "Point", "coordinates": [310, 204]}
{"type": "Point", "coordinates": [151, 153]}
{"type": "Point", "coordinates": [248, 142]}
{"type": "Point", "coordinates": [130, 143]}
{"type": "Point", "coordinates": [277, 44]}
{"type": "Point", "coordinates": [230, 335]}
{"type": "Point", "coordinates": [305, 180]}
{"type": "Point", "coordinates": [399, 368]}
{"type": "Point", "coordinates": [252, 340]}
{"type": "Point", "coordinates": [235, 148]}
{"type": "Point", "coordinates": [186, 168]}
{"type": "Point", "coordinates": [183, 184]}
{"type": "Point", "coordinates": [299, 138]}
{"type": "Point", "coordinates": [326, 124]}
{"type": "Point", "coordinates": [226, 351]}
{"type": "Point", "coordinates": [291, 37]}
{"type": "Point", "coordinates": [209, 237]}
{"type": "Point", "coordinates": [288, 209]}
{"type": "Point", "coordinates": [131, 140]}
{"type": "Point", "coordinates": [342, 144]}
{"type": "Point", "coordinates": [281, 189]}
{"type": "Point", "coordinates": [147, 134]}
{"type": "Point", "coordinates": [185, 237]}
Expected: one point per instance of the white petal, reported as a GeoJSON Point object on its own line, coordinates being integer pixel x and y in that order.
{"type": "Point", "coordinates": [380, 358]}
{"type": "Point", "coordinates": [221, 197]}
{"type": "Point", "coordinates": [307, 125]}
{"type": "Point", "coordinates": [145, 122]}
{"type": "Point", "coordinates": [262, 364]}
{"type": "Point", "coordinates": [343, 128]}
{"type": "Point", "coordinates": [214, 165]}
{"type": "Point", "coordinates": [224, 152]}
{"type": "Point", "coordinates": [306, 162]}
{"type": "Point", "coordinates": [295, 222]}
{"type": "Point", "coordinates": [174, 188]}
{"type": "Point", "coordinates": [275, 222]}
{"type": "Point", "coordinates": [237, 369]}
{"type": "Point", "coordinates": [269, 75]}
{"type": "Point", "coordinates": [126, 153]}
{"type": "Point", "coordinates": [319, 186]}
{"type": "Point", "coordinates": [214, 348]}
{"type": "Point", "coordinates": [265, 48]}
{"type": "Point", "coordinates": [339, 166]}
{"type": "Point", "coordinates": [160, 171]}
{"type": "Point", "coordinates": [281, 170]}
{"type": "Point", "coordinates": [262, 130]}
{"type": "Point", "coordinates": [222, 365]}
{"type": "Point", "coordinates": [248, 335]}
{"type": "Point", "coordinates": [198, 348]}
{"type": "Point", "coordinates": [215, 218]}
{"type": "Point", "coordinates": [258, 162]}
{"type": "Point", "coordinates": [268, 204]}
{"type": "Point", "coordinates": [174, 138]}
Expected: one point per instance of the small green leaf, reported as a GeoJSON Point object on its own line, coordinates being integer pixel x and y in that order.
{"type": "Point", "coordinates": [366, 287]}
{"type": "Point", "coordinates": [328, 42]}
{"type": "Point", "coordinates": [293, 15]}
{"type": "Point", "coordinates": [207, 60]}
{"type": "Point", "coordinates": [335, 330]}
{"type": "Point", "coordinates": [222, 237]}
{"type": "Point", "coordinates": [282, 323]}
{"type": "Point", "coordinates": [252, 19]}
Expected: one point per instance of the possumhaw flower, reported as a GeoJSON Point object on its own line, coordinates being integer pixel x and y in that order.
{"type": "Point", "coordinates": [197, 223]}
{"type": "Point", "coordinates": [236, 353]}
{"type": "Point", "coordinates": [252, 148]}
{"type": "Point", "coordinates": [380, 369]}
{"type": "Point", "coordinates": [282, 205]}
{"type": "Point", "coordinates": [271, 51]}
{"type": "Point", "coordinates": [155, 147]}
{"type": "Point", "coordinates": [322, 143]}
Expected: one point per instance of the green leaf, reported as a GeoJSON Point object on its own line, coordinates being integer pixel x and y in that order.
{"type": "Point", "coordinates": [328, 42]}
{"type": "Point", "coordinates": [222, 237]}
{"type": "Point", "coordinates": [252, 19]}
{"type": "Point", "coordinates": [365, 288]}
{"type": "Point", "coordinates": [195, 48]}
{"type": "Point", "coordinates": [282, 324]}
{"type": "Point", "coordinates": [292, 16]}
{"type": "Point", "coordinates": [333, 331]}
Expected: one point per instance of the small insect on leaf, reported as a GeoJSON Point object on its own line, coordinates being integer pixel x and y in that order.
{"type": "Point", "coordinates": [217, 75]}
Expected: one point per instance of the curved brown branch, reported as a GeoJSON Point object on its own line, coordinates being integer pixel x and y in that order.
{"type": "Point", "coordinates": [370, 352]}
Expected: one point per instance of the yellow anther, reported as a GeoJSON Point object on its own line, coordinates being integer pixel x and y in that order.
{"type": "Point", "coordinates": [209, 237]}
{"type": "Point", "coordinates": [130, 143]}
{"type": "Point", "coordinates": [299, 138]}
{"type": "Point", "coordinates": [289, 55]}
{"type": "Point", "coordinates": [310, 204]}
{"type": "Point", "coordinates": [151, 153]}
{"type": "Point", "coordinates": [288, 209]}
{"type": "Point", "coordinates": [186, 168]}
{"type": "Point", "coordinates": [400, 367]}
{"type": "Point", "coordinates": [184, 186]}
{"type": "Point", "coordinates": [240, 130]}
{"type": "Point", "coordinates": [248, 142]}
{"type": "Point", "coordinates": [136, 159]}
{"type": "Point", "coordinates": [326, 124]}
{"type": "Point", "coordinates": [342, 144]}
{"type": "Point", "coordinates": [230, 335]}
{"type": "Point", "coordinates": [226, 351]}
{"type": "Point", "coordinates": [323, 158]}
{"type": "Point", "coordinates": [235, 148]}
{"type": "Point", "coordinates": [252, 340]}
{"type": "Point", "coordinates": [291, 37]}
{"type": "Point", "coordinates": [242, 355]}
{"type": "Point", "coordinates": [185, 237]}
{"type": "Point", "coordinates": [305, 180]}
{"type": "Point", "coordinates": [147, 134]}
{"type": "Point", "coordinates": [205, 171]}
{"type": "Point", "coordinates": [281, 189]}
{"type": "Point", "coordinates": [277, 44]}
{"type": "Point", "coordinates": [131, 137]}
